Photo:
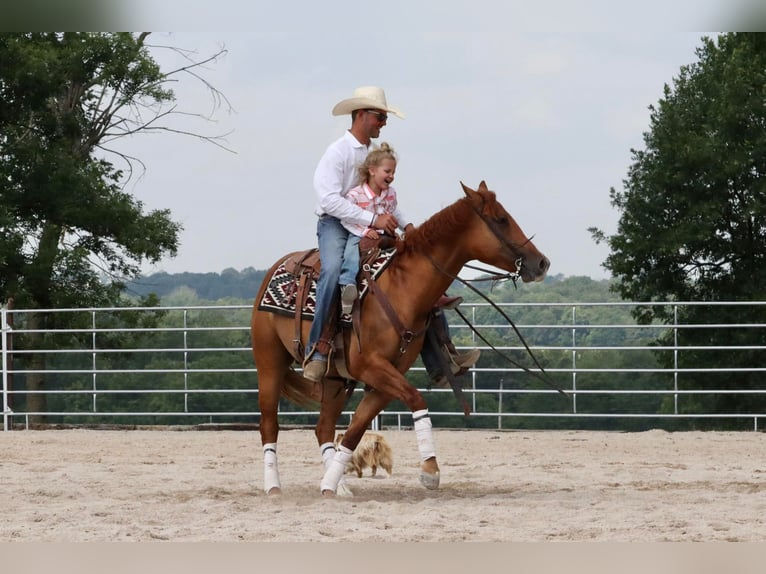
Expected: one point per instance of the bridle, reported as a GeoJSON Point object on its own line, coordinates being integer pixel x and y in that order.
{"type": "Point", "coordinates": [542, 375]}
{"type": "Point", "coordinates": [514, 249]}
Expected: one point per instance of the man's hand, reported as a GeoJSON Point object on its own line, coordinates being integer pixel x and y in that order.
{"type": "Point", "coordinates": [386, 222]}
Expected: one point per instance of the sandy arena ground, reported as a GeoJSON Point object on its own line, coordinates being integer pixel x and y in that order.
{"type": "Point", "coordinates": [147, 485]}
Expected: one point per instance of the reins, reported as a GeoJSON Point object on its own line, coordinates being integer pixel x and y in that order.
{"type": "Point", "coordinates": [493, 275]}
{"type": "Point", "coordinates": [542, 375]}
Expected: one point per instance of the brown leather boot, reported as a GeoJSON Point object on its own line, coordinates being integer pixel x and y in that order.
{"type": "Point", "coordinates": [315, 370]}
{"type": "Point", "coordinates": [465, 360]}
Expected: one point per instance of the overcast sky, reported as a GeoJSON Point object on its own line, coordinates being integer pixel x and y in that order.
{"type": "Point", "coordinates": [547, 118]}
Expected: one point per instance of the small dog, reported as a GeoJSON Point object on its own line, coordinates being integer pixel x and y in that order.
{"type": "Point", "coordinates": [372, 451]}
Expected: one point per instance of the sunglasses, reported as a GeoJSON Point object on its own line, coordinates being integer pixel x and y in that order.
{"type": "Point", "coordinates": [380, 115]}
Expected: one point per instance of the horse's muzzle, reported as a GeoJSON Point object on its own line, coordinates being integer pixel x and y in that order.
{"type": "Point", "coordinates": [534, 270]}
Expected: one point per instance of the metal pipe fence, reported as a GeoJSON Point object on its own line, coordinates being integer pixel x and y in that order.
{"type": "Point", "coordinates": [193, 365]}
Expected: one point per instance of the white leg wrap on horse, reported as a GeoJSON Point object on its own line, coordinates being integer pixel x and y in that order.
{"type": "Point", "coordinates": [335, 471]}
{"type": "Point", "coordinates": [327, 450]}
{"type": "Point", "coordinates": [422, 423]}
{"type": "Point", "coordinates": [270, 470]}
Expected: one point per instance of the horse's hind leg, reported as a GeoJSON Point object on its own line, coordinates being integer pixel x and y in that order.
{"type": "Point", "coordinates": [273, 363]}
{"type": "Point", "coordinates": [272, 382]}
{"type": "Point", "coordinates": [269, 388]}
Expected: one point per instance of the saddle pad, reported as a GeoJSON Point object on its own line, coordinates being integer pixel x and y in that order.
{"type": "Point", "coordinates": [280, 295]}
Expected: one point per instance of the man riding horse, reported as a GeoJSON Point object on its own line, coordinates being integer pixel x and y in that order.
{"type": "Point", "coordinates": [335, 175]}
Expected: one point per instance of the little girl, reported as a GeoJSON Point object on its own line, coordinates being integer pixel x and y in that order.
{"type": "Point", "coordinates": [374, 194]}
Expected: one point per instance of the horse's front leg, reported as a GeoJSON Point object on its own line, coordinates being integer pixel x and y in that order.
{"type": "Point", "coordinates": [385, 378]}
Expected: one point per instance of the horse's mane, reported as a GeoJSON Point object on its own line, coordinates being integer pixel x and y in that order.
{"type": "Point", "coordinates": [449, 222]}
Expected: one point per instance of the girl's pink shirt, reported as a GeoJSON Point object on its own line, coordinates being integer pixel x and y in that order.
{"type": "Point", "coordinates": [368, 200]}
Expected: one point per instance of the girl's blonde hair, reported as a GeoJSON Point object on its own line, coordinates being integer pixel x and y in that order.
{"type": "Point", "coordinates": [374, 159]}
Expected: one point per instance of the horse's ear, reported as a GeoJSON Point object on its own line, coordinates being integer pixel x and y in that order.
{"type": "Point", "coordinates": [467, 190]}
{"type": "Point", "coordinates": [483, 186]}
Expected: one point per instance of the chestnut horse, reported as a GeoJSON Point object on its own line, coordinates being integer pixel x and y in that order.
{"type": "Point", "coordinates": [476, 227]}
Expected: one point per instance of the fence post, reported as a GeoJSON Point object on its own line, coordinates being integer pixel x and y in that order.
{"type": "Point", "coordinates": [93, 360]}
{"type": "Point", "coordinates": [500, 407]}
{"type": "Point", "coordinates": [574, 359]}
{"type": "Point", "coordinates": [473, 371]}
{"type": "Point", "coordinates": [675, 359]}
{"type": "Point", "coordinates": [5, 330]}
{"type": "Point", "coordinates": [186, 359]}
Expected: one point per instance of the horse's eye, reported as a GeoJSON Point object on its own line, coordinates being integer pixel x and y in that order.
{"type": "Point", "coordinates": [502, 220]}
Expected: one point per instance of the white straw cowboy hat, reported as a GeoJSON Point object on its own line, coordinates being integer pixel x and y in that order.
{"type": "Point", "coordinates": [363, 98]}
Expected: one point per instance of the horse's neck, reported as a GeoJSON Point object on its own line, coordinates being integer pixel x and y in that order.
{"type": "Point", "coordinates": [421, 278]}
{"type": "Point", "coordinates": [442, 263]}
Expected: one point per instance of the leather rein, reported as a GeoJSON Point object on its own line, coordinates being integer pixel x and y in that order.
{"type": "Point", "coordinates": [542, 375]}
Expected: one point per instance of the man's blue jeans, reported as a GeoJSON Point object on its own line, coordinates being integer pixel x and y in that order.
{"type": "Point", "coordinates": [332, 238]}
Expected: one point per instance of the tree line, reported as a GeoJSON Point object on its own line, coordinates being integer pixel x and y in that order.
{"type": "Point", "coordinates": [226, 363]}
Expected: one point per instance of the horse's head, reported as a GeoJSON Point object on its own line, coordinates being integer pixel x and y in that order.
{"type": "Point", "coordinates": [500, 240]}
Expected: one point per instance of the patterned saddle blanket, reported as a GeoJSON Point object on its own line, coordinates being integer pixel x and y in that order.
{"type": "Point", "coordinates": [282, 292]}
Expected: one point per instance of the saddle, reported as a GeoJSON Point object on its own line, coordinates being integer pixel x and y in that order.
{"type": "Point", "coordinates": [304, 268]}
{"type": "Point", "coordinates": [301, 270]}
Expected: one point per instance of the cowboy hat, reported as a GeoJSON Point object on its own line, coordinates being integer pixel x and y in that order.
{"type": "Point", "coordinates": [363, 98]}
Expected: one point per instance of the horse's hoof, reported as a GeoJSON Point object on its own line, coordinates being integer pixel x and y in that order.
{"type": "Point", "coordinates": [274, 491]}
{"type": "Point", "coordinates": [328, 494]}
{"type": "Point", "coordinates": [430, 481]}
{"type": "Point", "coordinates": [344, 490]}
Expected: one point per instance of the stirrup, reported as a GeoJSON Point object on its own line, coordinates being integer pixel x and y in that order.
{"type": "Point", "coordinates": [465, 360]}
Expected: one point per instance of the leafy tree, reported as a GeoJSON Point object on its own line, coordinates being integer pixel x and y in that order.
{"type": "Point", "coordinates": [692, 224]}
{"type": "Point", "coordinates": [69, 234]}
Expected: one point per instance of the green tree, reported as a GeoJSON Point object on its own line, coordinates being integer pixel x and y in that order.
{"type": "Point", "coordinates": [692, 210]}
{"type": "Point", "coordinates": [69, 234]}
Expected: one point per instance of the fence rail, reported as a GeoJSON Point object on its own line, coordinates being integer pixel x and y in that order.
{"type": "Point", "coordinates": [194, 363]}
